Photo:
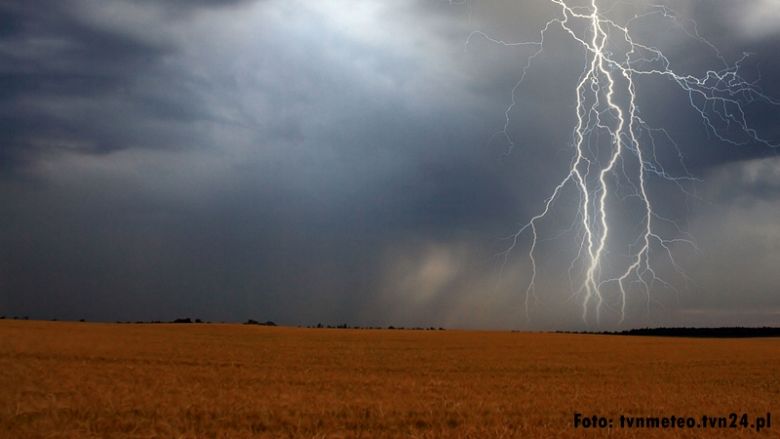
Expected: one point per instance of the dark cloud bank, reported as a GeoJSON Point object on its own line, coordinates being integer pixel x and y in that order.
{"type": "Point", "coordinates": [304, 162]}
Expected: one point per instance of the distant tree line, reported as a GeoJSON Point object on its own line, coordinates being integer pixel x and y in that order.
{"type": "Point", "coordinates": [719, 332]}
{"type": "Point", "coordinates": [146, 322]}
{"type": "Point", "coordinates": [190, 320]}
{"type": "Point", "coordinates": [391, 327]}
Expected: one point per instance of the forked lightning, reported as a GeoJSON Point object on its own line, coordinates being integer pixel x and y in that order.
{"type": "Point", "coordinates": [607, 106]}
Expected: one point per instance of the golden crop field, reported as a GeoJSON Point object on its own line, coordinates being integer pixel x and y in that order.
{"type": "Point", "coordinates": [89, 380]}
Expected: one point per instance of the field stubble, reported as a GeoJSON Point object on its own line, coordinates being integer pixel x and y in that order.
{"type": "Point", "coordinates": [90, 380]}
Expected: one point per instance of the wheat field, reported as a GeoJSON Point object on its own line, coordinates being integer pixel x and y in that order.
{"type": "Point", "coordinates": [90, 380]}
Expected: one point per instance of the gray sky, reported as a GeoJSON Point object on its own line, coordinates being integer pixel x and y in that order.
{"type": "Point", "coordinates": [336, 162]}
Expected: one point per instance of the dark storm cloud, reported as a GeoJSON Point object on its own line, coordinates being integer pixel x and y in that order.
{"type": "Point", "coordinates": [260, 207]}
{"type": "Point", "coordinates": [309, 161]}
{"type": "Point", "coordinates": [91, 76]}
{"type": "Point", "coordinates": [51, 59]}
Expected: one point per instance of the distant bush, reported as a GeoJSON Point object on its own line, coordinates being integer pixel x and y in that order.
{"type": "Point", "coordinates": [255, 322]}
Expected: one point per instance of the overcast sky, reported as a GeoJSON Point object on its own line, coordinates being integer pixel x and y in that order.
{"type": "Point", "coordinates": [335, 161]}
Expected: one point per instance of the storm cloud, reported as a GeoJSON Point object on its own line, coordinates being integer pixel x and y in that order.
{"type": "Point", "coordinates": [337, 162]}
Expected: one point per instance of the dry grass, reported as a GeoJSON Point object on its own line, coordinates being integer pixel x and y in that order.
{"type": "Point", "coordinates": [231, 381]}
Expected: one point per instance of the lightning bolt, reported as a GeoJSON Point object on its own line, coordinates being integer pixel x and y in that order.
{"type": "Point", "coordinates": [606, 104]}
